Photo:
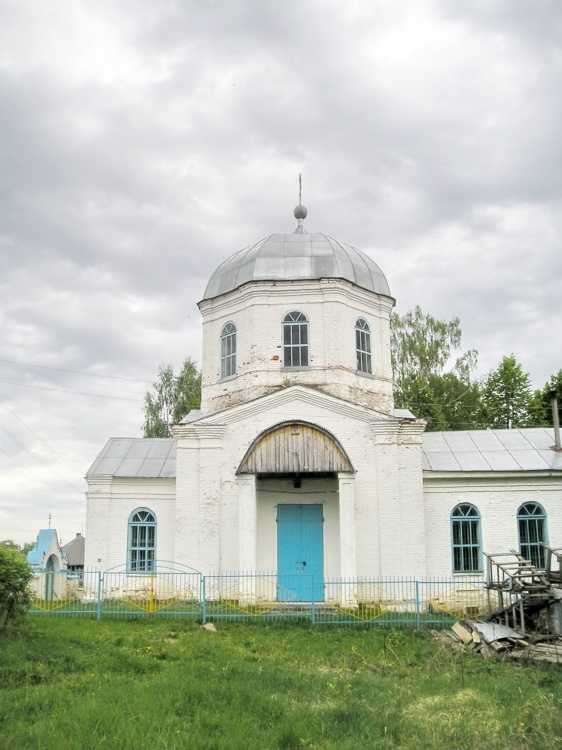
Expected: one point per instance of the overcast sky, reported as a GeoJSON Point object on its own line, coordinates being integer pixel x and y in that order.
{"type": "Point", "coordinates": [143, 142]}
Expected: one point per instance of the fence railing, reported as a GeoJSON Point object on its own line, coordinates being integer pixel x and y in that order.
{"type": "Point", "coordinates": [373, 602]}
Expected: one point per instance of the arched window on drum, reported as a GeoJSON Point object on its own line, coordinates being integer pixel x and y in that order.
{"type": "Point", "coordinates": [228, 351]}
{"type": "Point", "coordinates": [363, 346]}
{"type": "Point", "coordinates": [295, 340]}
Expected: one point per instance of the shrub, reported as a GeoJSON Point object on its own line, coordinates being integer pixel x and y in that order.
{"type": "Point", "coordinates": [15, 593]}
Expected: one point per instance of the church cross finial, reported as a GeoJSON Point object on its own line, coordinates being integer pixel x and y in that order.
{"type": "Point", "coordinates": [300, 212]}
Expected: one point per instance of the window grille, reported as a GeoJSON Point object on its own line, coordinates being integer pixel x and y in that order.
{"type": "Point", "coordinates": [465, 533]}
{"type": "Point", "coordinates": [142, 541]}
{"type": "Point", "coordinates": [531, 520]}
{"type": "Point", "coordinates": [295, 340]}
{"type": "Point", "coordinates": [363, 346]}
{"type": "Point", "coordinates": [228, 350]}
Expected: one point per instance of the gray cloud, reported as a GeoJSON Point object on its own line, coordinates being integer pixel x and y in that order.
{"type": "Point", "coordinates": [141, 145]}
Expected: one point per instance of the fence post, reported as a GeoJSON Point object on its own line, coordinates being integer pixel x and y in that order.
{"type": "Point", "coordinates": [312, 613]}
{"type": "Point", "coordinates": [203, 600]}
{"type": "Point", "coordinates": [100, 582]}
{"type": "Point", "coordinates": [418, 621]}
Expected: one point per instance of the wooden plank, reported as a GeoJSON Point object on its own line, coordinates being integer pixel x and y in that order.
{"type": "Point", "coordinates": [297, 448]}
{"type": "Point", "coordinates": [463, 633]}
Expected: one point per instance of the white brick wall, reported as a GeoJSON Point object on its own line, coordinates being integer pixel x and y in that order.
{"type": "Point", "coordinates": [110, 502]}
{"type": "Point", "coordinates": [498, 499]}
{"type": "Point", "coordinates": [332, 307]}
{"type": "Point", "coordinates": [385, 457]}
{"type": "Point", "coordinates": [401, 526]}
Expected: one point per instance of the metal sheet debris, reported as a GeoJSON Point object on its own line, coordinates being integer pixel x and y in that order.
{"type": "Point", "coordinates": [493, 631]}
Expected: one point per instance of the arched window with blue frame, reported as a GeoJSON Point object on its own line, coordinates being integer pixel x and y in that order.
{"type": "Point", "coordinates": [531, 522]}
{"type": "Point", "coordinates": [141, 553]}
{"type": "Point", "coordinates": [363, 346]}
{"type": "Point", "coordinates": [466, 539]}
{"type": "Point", "coordinates": [228, 351]}
{"type": "Point", "coordinates": [295, 340]}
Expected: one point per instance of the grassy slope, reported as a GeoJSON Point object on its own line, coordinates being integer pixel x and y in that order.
{"type": "Point", "coordinates": [71, 684]}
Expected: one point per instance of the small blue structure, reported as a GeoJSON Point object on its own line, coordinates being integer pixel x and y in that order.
{"type": "Point", "coordinates": [47, 553]}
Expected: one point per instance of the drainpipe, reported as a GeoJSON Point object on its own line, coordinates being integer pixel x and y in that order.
{"type": "Point", "coordinates": [555, 419]}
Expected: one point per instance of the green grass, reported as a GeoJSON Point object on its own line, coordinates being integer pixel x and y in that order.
{"type": "Point", "coordinates": [73, 684]}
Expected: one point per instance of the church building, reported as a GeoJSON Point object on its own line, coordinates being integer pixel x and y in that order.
{"type": "Point", "coordinates": [297, 463]}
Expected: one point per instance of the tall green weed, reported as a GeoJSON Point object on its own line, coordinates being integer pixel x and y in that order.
{"type": "Point", "coordinates": [74, 684]}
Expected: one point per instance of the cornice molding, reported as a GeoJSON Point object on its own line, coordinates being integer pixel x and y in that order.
{"type": "Point", "coordinates": [316, 290]}
{"type": "Point", "coordinates": [293, 395]}
{"type": "Point", "coordinates": [487, 476]}
{"type": "Point", "coordinates": [411, 432]}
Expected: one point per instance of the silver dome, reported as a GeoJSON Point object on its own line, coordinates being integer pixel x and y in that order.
{"type": "Point", "coordinates": [291, 257]}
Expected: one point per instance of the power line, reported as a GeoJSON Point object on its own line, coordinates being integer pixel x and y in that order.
{"type": "Point", "coordinates": [75, 393]}
{"type": "Point", "coordinates": [76, 372]}
{"type": "Point", "coordinates": [37, 458]}
{"type": "Point", "coordinates": [62, 458]}
{"type": "Point", "coordinates": [33, 474]}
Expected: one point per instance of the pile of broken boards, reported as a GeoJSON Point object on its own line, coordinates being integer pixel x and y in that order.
{"type": "Point", "coordinates": [491, 638]}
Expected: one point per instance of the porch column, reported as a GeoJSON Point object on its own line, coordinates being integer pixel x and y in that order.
{"type": "Point", "coordinates": [348, 543]}
{"type": "Point", "coordinates": [247, 523]}
{"type": "Point", "coordinates": [210, 494]}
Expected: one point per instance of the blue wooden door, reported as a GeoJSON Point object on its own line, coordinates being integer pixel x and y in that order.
{"type": "Point", "coordinates": [300, 553]}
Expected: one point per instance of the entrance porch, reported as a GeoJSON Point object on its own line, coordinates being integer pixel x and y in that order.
{"type": "Point", "coordinates": [303, 534]}
{"type": "Point", "coordinates": [296, 510]}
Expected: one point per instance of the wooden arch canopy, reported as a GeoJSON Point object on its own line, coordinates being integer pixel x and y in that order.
{"type": "Point", "coordinates": [294, 448]}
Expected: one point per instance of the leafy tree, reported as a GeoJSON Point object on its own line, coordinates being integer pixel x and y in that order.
{"type": "Point", "coordinates": [173, 397]}
{"type": "Point", "coordinates": [428, 378]}
{"type": "Point", "coordinates": [460, 402]}
{"type": "Point", "coordinates": [541, 407]}
{"type": "Point", "coordinates": [10, 544]}
{"type": "Point", "coordinates": [27, 547]}
{"type": "Point", "coordinates": [507, 397]}
{"type": "Point", "coordinates": [15, 593]}
{"type": "Point", "coordinates": [418, 396]}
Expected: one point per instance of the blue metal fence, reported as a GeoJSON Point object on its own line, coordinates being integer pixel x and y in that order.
{"type": "Point", "coordinates": [238, 596]}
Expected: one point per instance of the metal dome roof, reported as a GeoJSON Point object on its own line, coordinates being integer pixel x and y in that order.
{"type": "Point", "coordinates": [292, 257]}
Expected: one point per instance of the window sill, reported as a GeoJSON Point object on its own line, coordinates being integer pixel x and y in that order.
{"type": "Point", "coordinates": [467, 573]}
{"type": "Point", "coordinates": [368, 375]}
{"type": "Point", "coordinates": [140, 572]}
{"type": "Point", "coordinates": [296, 369]}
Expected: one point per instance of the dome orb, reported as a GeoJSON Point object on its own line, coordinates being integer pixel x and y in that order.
{"type": "Point", "coordinates": [300, 212]}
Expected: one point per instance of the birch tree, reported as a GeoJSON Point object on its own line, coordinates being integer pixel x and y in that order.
{"type": "Point", "coordinates": [173, 396]}
{"type": "Point", "coordinates": [507, 396]}
{"type": "Point", "coordinates": [432, 376]}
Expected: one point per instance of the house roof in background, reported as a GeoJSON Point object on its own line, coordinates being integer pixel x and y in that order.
{"type": "Point", "coordinates": [74, 550]}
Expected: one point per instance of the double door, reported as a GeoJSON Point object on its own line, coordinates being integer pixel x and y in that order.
{"type": "Point", "coordinates": [300, 553]}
